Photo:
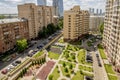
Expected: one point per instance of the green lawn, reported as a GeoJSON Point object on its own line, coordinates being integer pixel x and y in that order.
{"type": "Point", "coordinates": [38, 54]}
{"type": "Point", "coordinates": [67, 63]}
{"type": "Point", "coordinates": [109, 69]}
{"type": "Point", "coordinates": [78, 76]}
{"type": "Point", "coordinates": [72, 48]}
{"type": "Point", "coordinates": [112, 77]}
{"type": "Point", "coordinates": [55, 74]}
{"type": "Point", "coordinates": [86, 68]}
{"type": "Point", "coordinates": [53, 55]}
{"type": "Point", "coordinates": [102, 53]}
{"type": "Point", "coordinates": [61, 40]}
{"type": "Point", "coordinates": [81, 58]}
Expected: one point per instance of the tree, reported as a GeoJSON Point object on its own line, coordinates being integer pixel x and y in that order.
{"type": "Point", "coordinates": [71, 66]}
{"type": "Point", "coordinates": [101, 28]}
{"type": "Point", "coordinates": [51, 77]}
{"type": "Point", "coordinates": [64, 64]}
{"type": "Point", "coordinates": [21, 45]}
{"type": "Point", "coordinates": [66, 70]}
{"type": "Point", "coordinates": [2, 16]}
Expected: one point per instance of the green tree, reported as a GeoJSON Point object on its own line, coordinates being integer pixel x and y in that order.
{"type": "Point", "coordinates": [51, 77]}
{"type": "Point", "coordinates": [71, 66]}
{"type": "Point", "coordinates": [2, 16]}
{"type": "Point", "coordinates": [64, 64]}
{"type": "Point", "coordinates": [101, 28]}
{"type": "Point", "coordinates": [66, 70]}
{"type": "Point", "coordinates": [21, 45]}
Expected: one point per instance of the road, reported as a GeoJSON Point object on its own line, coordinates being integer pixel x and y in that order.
{"type": "Point", "coordinates": [99, 72]}
{"type": "Point", "coordinates": [22, 56]}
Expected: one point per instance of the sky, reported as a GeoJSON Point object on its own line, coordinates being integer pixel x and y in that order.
{"type": "Point", "coordinates": [10, 6]}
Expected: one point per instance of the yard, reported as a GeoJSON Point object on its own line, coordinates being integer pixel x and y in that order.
{"type": "Point", "coordinates": [81, 57]}
{"type": "Point", "coordinates": [112, 77]}
{"type": "Point", "coordinates": [109, 69]}
{"type": "Point", "coordinates": [53, 55]}
{"type": "Point", "coordinates": [102, 53]}
{"type": "Point", "coordinates": [55, 74]}
{"type": "Point", "coordinates": [38, 54]}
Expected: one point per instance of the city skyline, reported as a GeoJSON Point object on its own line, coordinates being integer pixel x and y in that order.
{"type": "Point", "coordinates": [85, 4]}
{"type": "Point", "coordinates": [41, 2]}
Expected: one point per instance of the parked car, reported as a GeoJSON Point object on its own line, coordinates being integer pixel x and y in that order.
{"type": "Point", "coordinates": [14, 64]}
{"type": "Point", "coordinates": [9, 59]}
{"type": "Point", "coordinates": [18, 61]}
{"type": "Point", "coordinates": [10, 67]}
{"type": "Point", "coordinates": [4, 71]}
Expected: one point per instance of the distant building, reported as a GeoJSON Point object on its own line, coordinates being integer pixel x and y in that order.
{"type": "Point", "coordinates": [76, 23]}
{"type": "Point", "coordinates": [41, 2]}
{"type": "Point", "coordinates": [95, 21]}
{"type": "Point", "coordinates": [97, 11]}
{"type": "Point", "coordinates": [58, 7]}
{"type": "Point", "coordinates": [12, 30]}
{"type": "Point", "coordinates": [38, 16]}
{"type": "Point", "coordinates": [100, 11]}
{"type": "Point", "coordinates": [93, 11]}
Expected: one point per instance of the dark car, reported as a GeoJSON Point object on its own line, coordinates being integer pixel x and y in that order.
{"type": "Point", "coordinates": [97, 55]}
{"type": "Point", "coordinates": [18, 61]}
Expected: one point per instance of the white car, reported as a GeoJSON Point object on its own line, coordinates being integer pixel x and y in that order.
{"type": "Point", "coordinates": [11, 66]}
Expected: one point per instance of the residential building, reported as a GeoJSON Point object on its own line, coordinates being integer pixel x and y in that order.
{"type": "Point", "coordinates": [58, 7]}
{"type": "Point", "coordinates": [76, 23]}
{"type": "Point", "coordinates": [37, 16]}
{"type": "Point", "coordinates": [12, 30]}
{"type": "Point", "coordinates": [95, 22]}
{"type": "Point", "coordinates": [41, 2]}
{"type": "Point", "coordinates": [111, 37]}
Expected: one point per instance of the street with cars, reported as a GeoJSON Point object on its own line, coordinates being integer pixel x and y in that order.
{"type": "Point", "coordinates": [37, 45]}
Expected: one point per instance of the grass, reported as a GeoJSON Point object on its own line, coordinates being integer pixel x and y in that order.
{"type": "Point", "coordinates": [72, 48]}
{"type": "Point", "coordinates": [81, 58]}
{"type": "Point", "coordinates": [86, 68]}
{"type": "Point", "coordinates": [112, 77]}
{"type": "Point", "coordinates": [61, 40]}
{"type": "Point", "coordinates": [67, 63]}
{"type": "Point", "coordinates": [55, 74]}
{"type": "Point", "coordinates": [69, 56]}
{"type": "Point", "coordinates": [38, 54]}
{"type": "Point", "coordinates": [109, 69]}
{"type": "Point", "coordinates": [102, 53]}
{"type": "Point", "coordinates": [78, 76]}
{"type": "Point", "coordinates": [53, 55]}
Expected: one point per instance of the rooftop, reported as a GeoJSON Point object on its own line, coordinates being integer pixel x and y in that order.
{"type": "Point", "coordinates": [2, 21]}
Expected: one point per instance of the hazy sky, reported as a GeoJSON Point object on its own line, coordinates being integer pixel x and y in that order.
{"type": "Point", "coordinates": [10, 6]}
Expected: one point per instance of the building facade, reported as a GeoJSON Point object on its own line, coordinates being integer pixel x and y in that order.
{"type": "Point", "coordinates": [37, 16]}
{"type": "Point", "coordinates": [111, 38]}
{"type": "Point", "coordinates": [95, 22]}
{"type": "Point", "coordinates": [12, 30]}
{"type": "Point", "coordinates": [41, 2]}
{"type": "Point", "coordinates": [58, 7]}
{"type": "Point", "coordinates": [76, 23]}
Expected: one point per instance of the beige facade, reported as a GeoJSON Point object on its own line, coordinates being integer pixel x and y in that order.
{"type": "Point", "coordinates": [38, 16]}
{"type": "Point", "coordinates": [111, 38]}
{"type": "Point", "coordinates": [12, 30]}
{"type": "Point", "coordinates": [76, 23]}
{"type": "Point", "coordinates": [94, 22]}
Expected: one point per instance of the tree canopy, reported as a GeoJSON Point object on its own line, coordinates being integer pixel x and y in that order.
{"type": "Point", "coordinates": [21, 45]}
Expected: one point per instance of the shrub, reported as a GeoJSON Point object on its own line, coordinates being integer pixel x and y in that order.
{"type": "Point", "coordinates": [66, 70]}
{"type": "Point", "coordinates": [51, 77]}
